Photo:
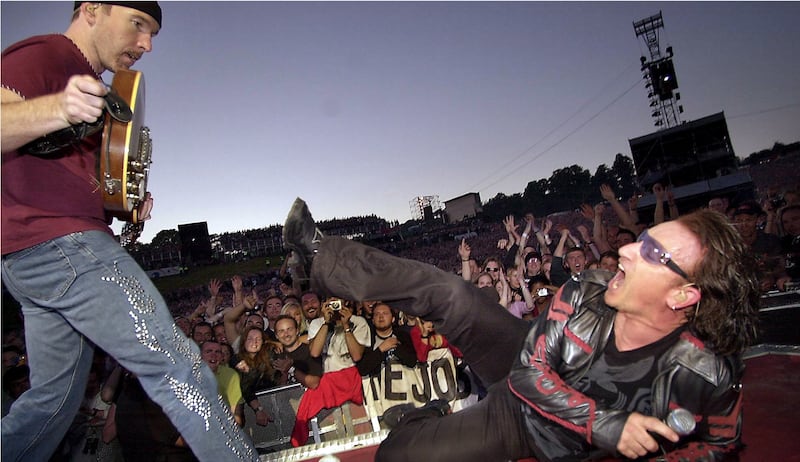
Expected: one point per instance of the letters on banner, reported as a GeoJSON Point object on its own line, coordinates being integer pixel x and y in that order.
{"type": "Point", "coordinates": [438, 378]}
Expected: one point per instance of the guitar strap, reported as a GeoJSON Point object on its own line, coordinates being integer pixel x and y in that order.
{"type": "Point", "coordinates": [59, 139]}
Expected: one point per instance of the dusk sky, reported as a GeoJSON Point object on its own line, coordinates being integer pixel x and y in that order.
{"type": "Point", "coordinates": [360, 107]}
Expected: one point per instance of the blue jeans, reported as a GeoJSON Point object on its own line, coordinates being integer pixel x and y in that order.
{"type": "Point", "coordinates": [81, 290]}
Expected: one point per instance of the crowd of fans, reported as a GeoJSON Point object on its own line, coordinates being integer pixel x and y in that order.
{"type": "Point", "coordinates": [266, 330]}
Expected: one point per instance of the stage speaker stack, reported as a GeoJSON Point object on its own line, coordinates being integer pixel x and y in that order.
{"type": "Point", "coordinates": [195, 244]}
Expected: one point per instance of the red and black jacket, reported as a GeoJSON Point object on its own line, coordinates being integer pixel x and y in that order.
{"type": "Point", "coordinates": [567, 424]}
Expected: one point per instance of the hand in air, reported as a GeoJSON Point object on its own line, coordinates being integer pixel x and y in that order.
{"type": "Point", "coordinates": [659, 192]}
{"type": "Point", "coordinates": [599, 209]}
{"type": "Point", "coordinates": [214, 285]}
{"type": "Point", "coordinates": [584, 231]}
{"type": "Point", "coordinates": [236, 283]}
{"type": "Point", "coordinates": [250, 301]}
{"type": "Point", "coordinates": [508, 223]}
{"type": "Point", "coordinates": [464, 250]}
{"type": "Point", "coordinates": [607, 193]}
{"type": "Point", "coordinates": [587, 211]}
{"type": "Point", "coordinates": [548, 225]}
{"type": "Point", "coordinates": [530, 219]}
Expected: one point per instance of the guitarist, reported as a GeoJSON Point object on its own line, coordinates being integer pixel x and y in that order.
{"type": "Point", "coordinates": [77, 286]}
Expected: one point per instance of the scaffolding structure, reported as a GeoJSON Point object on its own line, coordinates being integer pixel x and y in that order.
{"type": "Point", "coordinates": [658, 72]}
{"type": "Point", "coordinates": [424, 207]}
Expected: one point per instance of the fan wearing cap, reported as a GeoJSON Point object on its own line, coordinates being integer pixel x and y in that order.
{"type": "Point", "coordinates": [533, 264]}
{"type": "Point", "coordinates": [77, 286]}
{"type": "Point", "coordinates": [746, 219]}
{"type": "Point", "coordinates": [765, 247]}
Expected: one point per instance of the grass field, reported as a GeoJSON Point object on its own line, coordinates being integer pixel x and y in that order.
{"type": "Point", "coordinates": [199, 276]}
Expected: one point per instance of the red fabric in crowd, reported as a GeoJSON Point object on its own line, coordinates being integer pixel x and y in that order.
{"type": "Point", "coordinates": [335, 389]}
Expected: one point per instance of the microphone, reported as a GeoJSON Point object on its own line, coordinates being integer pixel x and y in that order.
{"type": "Point", "coordinates": [681, 421]}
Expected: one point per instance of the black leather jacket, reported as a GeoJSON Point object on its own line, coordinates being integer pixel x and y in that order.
{"type": "Point", "coordinates": [566, 424]}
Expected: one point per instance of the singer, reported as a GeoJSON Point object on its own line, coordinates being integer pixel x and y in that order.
{"type": "Point", "coordinates": [594, 376]}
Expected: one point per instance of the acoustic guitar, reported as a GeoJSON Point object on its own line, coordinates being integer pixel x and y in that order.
{"type": "Point", "coordinates": [125, 152]}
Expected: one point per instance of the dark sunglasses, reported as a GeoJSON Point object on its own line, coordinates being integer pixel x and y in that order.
{"type": "Point", "coordinates": [653, 252]}
{"type": "Point", "coordinates": [493, 269]}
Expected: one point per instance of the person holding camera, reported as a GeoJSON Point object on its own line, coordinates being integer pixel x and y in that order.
{"type": "Point", "coordinates": [339, 338]}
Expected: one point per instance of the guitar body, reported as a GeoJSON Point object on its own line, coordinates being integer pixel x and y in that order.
{"type": "Point", "coordinates": [125, 152]}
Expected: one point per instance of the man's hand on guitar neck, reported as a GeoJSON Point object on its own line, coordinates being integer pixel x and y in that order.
{"type": "Point", "coordinates": [145, 207]}
{"type": "Point", "coordinates": [131, 231]}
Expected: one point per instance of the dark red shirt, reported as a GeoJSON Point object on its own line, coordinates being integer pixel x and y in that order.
{"type": "Point", "coordinates": [44, 197]}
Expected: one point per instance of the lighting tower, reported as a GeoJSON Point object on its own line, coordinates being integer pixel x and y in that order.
{"type": "Point", "coordinates": [659, 75]}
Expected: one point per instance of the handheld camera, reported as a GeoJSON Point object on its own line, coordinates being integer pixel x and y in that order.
{"type": "Point", "coordinates": [543, 292]}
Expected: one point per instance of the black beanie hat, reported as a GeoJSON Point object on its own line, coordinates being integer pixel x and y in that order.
{"type": "Point", "coordinates": [151, 8]}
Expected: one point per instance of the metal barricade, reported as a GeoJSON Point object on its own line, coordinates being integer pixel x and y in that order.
{"type": "Point", "coordinates": [281, 405]}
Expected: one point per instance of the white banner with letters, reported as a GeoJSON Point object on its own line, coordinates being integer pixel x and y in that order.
{"type": "Point", "coordinates": [438, 378]}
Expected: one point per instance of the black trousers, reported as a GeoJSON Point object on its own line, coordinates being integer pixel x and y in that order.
{"type": "Point", "coordinates": [488, 335]}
